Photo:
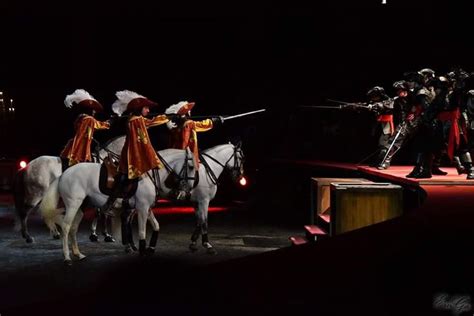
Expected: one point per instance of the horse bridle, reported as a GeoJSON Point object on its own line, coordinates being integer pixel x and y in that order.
{"type": "Point", "coordinates": [97, 149]}
{"type": "Point", "coordinates": [237, 168]}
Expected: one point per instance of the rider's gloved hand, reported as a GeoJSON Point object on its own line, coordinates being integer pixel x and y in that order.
{"type": "Point", "coordinates": [171, 125]}
{"type": "Point", "coordinates": [217, 120]}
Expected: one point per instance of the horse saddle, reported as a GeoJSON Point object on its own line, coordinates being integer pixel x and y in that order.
{"type": "Point", "coordinates": [108, 176]}
{"type": "Point", "coordinates": [179, 183]}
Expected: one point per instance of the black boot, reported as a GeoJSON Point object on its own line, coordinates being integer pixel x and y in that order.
{"type": "Point", "coordinates": [418, 165]}
{"type": "Point", "coordinates": [385, 163]}
{"type": "Point", "coordinates": [425, 170]}
{"type": "Point", "coordinates": [459, 167]}
{"type": "Point", "coordinates": [435, 169]}
{"type": "Point", "coordinates": [470, 171]}
{"type": "Point", "coordinates": [467, 162]}
{"type": "Point", "coordinates": [379, 159]}
{"type": "Point", "coordinates": [119, 183]}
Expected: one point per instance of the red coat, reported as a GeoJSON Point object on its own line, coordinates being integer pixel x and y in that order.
{"type": "Point", "coordinates": [78, 149]}
{"type": "Point", "coordinates": [138, 155]}
{"type": "Point", "coordinates": [186, 136]}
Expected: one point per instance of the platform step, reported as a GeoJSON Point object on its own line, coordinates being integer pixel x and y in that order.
{"type": "Point", "coordinates": [325, 217]}
{"type": "Point", "coordinates": [323, 221]}
{"type": "Point", "coordinates": [298, 240]}
{"type": "Point", "coordinates": [314, 233]}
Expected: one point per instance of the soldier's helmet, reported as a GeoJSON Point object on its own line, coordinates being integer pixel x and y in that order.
{"type": "Point", "coordinates": [413, 76]}
{"type": "Point", "coordinates": [428, 75]}
{"type": "Point", "coordinates": [377, 92]}
{"type": "Point", "coordinates": [400, 85]}
{"type": "Point", "coordinates": [458, 76]}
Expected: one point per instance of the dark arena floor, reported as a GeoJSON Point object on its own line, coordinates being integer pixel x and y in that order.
{"type": "Point", "coordinates": [34, 277]}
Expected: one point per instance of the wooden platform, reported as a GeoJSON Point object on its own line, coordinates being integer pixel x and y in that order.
{"type": "Point", "coordinates": [397, 174]}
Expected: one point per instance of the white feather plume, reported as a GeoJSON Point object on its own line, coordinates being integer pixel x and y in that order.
{"type": "Point", "coordinates": [173, 109]}
{"type": "Point", "coordinates": [76, 97]}
{"type": "Point", "coordinates": [123, 98]}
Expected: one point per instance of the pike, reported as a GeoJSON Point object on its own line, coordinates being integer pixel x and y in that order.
{"type": "Point", "coordinates": [361, 105]}
{"type": "Point", "coordinates": [338, 107]}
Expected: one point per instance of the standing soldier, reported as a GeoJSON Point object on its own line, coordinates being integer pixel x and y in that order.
{"type": "Point", "coordinates": [403, 106]}
{"type": "Point", "coordinates": [78, 149]}
{"type": "Point", "coordinates": [380, 103]}
{"type": "Point", "coordinates": [459, 125]}
{"type": "Point", "coordinates": [425, 115]}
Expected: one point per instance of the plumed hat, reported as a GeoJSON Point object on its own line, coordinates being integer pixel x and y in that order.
{"type": "Point", "coordinates": [130, 101]}
{"type": "Point", "coordinates": [81, 97]}
{"type": "Point", "coordinates": [180, 108]}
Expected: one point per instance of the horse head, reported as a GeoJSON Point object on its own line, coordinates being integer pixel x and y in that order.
{"type": "Point", "coordinates": [235, 164]}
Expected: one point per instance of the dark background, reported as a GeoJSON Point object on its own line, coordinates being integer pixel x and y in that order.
{"type": "Point", "coordinates": [228, 58]}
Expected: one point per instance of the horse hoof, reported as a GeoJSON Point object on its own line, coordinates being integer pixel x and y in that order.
{"type": "Point", "coordinates": [94, 238]}
{"type": "Point", "coordinates": [193, 247]}
{"type": "Point", "coordinates": [68, 263]}
{"type": "Point", "coordinates": [150, 251]}
{"type": "Point", "coordinates": [134, 248]}
{"type": "Point", "coordinates": [81, 257]}
{"type": "Point", "coordinates": [56, 236]}
{"type": "Point", "coordinates": [129, 249]}
{"type": "Point", "coordinates": [29, 240]}
{"type": "Point", "coordinates": [211, 251]}
{"type": "Point", "coordinates": [109, 238]}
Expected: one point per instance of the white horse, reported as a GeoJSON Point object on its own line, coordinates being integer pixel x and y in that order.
{"type": "Point", "coordinates": [81, 181]}
{"type": "Point", "coordinates": [32, 182]}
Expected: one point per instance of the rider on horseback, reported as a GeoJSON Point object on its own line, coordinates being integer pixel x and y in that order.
{"type": "Point", "coordinates": [183, 135]}
{"type": "Point", "coordinates": [138, 155]}
{"type": "Point", "coordinates": [78, 149]}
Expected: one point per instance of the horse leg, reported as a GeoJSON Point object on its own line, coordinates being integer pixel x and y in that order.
{"type": "Point", "coordinates": [66, 227]}
{"type": "Point", "coordinates": [23, 215]}
{"type": "Point", "coordinates": [73, 232]}
{"type": "Point", "coordinates": [194, 237]}
{"type": "Point", "coordinates": [205, 240]}
{"type": "Point", "coordinates": [94, 237]}
{"type": "Point", "coordinates": [142, 217]}
{"type": "Point", "coordinates": [22, 204]}
{"type": "Point", "coordinates": [202, 210]}
{"type": "Point", "coordinates": [127, 233]}
{"type": "Point", "coordinates": [154, 236]}
{"type": "Point", "coordinates": [107, 236]}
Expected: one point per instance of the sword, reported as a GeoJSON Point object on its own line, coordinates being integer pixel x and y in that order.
{"type": "Point", "coordinates": [205, 116]}
{"type": "Point", "coordinates": [243, 114]}
{"type": "Point", "coordinates": [393, 143]}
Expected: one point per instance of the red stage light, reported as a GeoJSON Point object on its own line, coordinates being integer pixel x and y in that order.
{"type": "Point", "coordinates": [243, 181]}
{"type": "Point", "coordinates": [23, 164]}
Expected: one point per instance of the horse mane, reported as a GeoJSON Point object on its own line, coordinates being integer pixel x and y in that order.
{"type": "Point", "coordinates": [170, 152]}
{"type": "Point", "coordinates": [216, 148]}
{"type": "Point", "coordinates": [110, 141]}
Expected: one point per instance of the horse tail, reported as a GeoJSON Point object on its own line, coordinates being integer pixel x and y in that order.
{"type": "Point", "coordinates": [49, 205]}
{"type": "Point", "coordinates": [19, 197]}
